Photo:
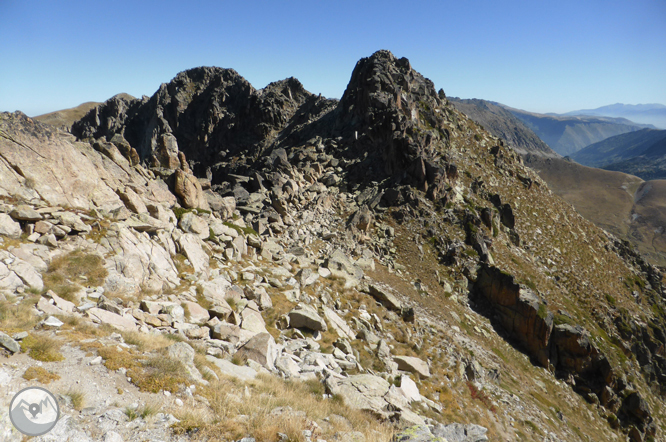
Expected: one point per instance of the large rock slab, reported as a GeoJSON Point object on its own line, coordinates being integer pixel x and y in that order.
{"type": "Point", "coordinates": [9, 344]}
{"type": "Point", "coordinates": [339, 325]}
{"type": "Point", "coordinates": [227, 368]}
{"type": "Point", "coordinates": [137, 261]}
{"type": "Point", "coordinates": [461, 433]}
{"type": "Point", "coordinates": [305, 316]}
{"type": "Point", "coordinates": [112, 319]}
{"type": "Point", "coordinates": [191, 247]}
{"type": "Point", "coordinates": [361, 391]}
{"type": "Point", "coordinates": [412, 365]}
{"type": "Point", "coordinates": [262, 349]}
{"type": "Point", "coordinates": [24, 212]}
{"type": "Point", "coordinates": [384, 295]}
{"type": "Point", "coordinates": [9, 227]}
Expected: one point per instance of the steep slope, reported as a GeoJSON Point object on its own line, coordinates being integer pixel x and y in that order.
{"type": "Point", "coordinates": [384, 249]}
{"type": "Point", "coordinates": [654, 114]}
{"type": "Point", "coordinates": [503, 124]}
{"type": "Point", "coordinates": [566, 135]}
{"type": "Point", "coordinates": [612, 200]}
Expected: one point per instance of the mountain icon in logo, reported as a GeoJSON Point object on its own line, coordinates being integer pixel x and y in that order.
{"type": "Point", "coordinates": [34, 411]}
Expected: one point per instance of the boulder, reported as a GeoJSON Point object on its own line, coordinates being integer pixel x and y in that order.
{"type": "Point", "coordinates": [24, 212]}
{"type": "Point", "coordinates": [417, 433]}
{"type": "Point", "coordinates": [9, 227]}
{"type": "Point", "coordinates": [412, 365]}
{"type": "Point", "coordinates": [188, 189]}
{"type": "Point", "coordinates": [9, 344]}
{"type": "Point", "coordinates": [225, 332]}
{"type": "Point", "coordinates": [461, 433]}
{"type": "Point", "coordinates": [338, 324]}
{"type": "Point", "coordinates": [132, 201]}
{"type": "Point", "coordinates": [252, 320]}
{"type": "Point", "coordinates": [262, 349]}
{"type": "Point", "coordinates": [382, 293]}
{"type": "Point", "coordinates": [191, 247]}
{"type": "Point", "coordinates": [215, 291]}
{"type": "Point", "coordinates": [197, 314]}
{"type": "Point", "coordinates": [235, 371]}
{"type": "Point", "coordinates": [361, 392]}
{"type": "Point", "coordinates": [305, 316]}
{"type": "Point", "coordinates": [182, 352]}
{"type": "Point", "coordinates": [192, 223]}
{"type": "Point", "coordinates": [112, 319]}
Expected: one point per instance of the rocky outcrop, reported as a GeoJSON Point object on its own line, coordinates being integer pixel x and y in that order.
{"type": "Point", "coordinates": [518, 310]}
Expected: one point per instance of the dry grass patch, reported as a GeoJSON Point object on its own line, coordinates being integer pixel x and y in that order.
{"type": "Point", "coordinates": [151, 373]}
{"type": "Point", "coordinates": [18, 317]}
{"type": "Point", "coordinates": [77, 397]}
{"type": "Point", "coordinates": [275, 406]}
{"type": "Point", "coordinates": [42, 348]}
{"type": "Point", "coordinates": [40, 374]}
{"type": "Point", "coordinates": [147, 342]}
{"type": "Point", "coordinates": [66, 272]}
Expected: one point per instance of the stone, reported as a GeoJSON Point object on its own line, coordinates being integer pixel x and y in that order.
{"type": "Point", "coordinates": [461, 433]}
{"type": "Point", "coordinates": [418, 433]}
{"type": "Point", "coordinates": [262, 349]}
{"type": "Point", "coordinates": [62, 304]}
{"type": "Point", "coordinates": [524, 317]}
{"type": "Point", "coordinates": [226, 332]}
{"type": "Point", "coordinates": [181, 351]}
{"type": "Point", "coordinates": [221, 311]}
{"type": "Point", "coordinates": [338, 324]}
{"type": "Point", "coordinates": [216, 291]}
{"type": "Point", "coordinates": [24, 212]}
{"type": "Point", "coordinates": [287, 366]}
{"type": "Point", "coordinates": [28, 274]}
{"type": "Point", "coordinates": [361, 391]}
{"type": "Point", "coordinates": [305, 316]}
{"type": "Point", "coordinates": [252, 321]}
{"type": "Point", "coordinates": [228, 207]}
{"type": "Point", "coordinates": [192, 223]}
{"type": "Point", "coordinates": [227, 368]}
{"type": "Point", "coordinates": [112, 319]}
{"type": "Point", "coordinates": [409, 389]}
{"type": "Point", "coordinates": [191, 246]}
{"type": "Point", "coordinates": [43, 227]}
{"type": "Point", "coordinates": [132, 201]}
{"type": "Point", "coordinates": [189, 191]}
{"type": "Point", "coordinates": [52, 321]}
{"type": "Point", "coordinates": [9, 227]}
{"type": "Point", "coordinates": [383, 294]}
{"type": "Point", "coordinates": [9, 344]}
{"type": "Point", "coordinates": [412, 365]}
{"type": "Point", "coordinates": [195, 313]}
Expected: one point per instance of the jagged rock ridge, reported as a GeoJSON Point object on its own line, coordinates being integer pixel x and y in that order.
{"type": "Point", "coordinates": [381, 221]}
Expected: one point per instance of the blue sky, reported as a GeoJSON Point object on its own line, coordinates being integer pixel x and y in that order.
{"type": "Point", "coordinates": [535, 55]}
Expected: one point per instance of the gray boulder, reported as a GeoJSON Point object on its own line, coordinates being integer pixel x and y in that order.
{"type": "Point", "coordinates": [305, 316]}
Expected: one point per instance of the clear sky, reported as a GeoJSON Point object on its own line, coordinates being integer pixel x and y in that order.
{"type": "Point", "coordinates": [542, 56]}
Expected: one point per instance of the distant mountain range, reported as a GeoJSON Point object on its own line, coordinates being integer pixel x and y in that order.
{"type": "Point", "coordinates": [496, 119]}
{"type": "Point", "coordinates": [621, 203]}
{"type": "Point", "coordinates": [569, 134]}
{"type": "Point", "coordinates": [654, 114]}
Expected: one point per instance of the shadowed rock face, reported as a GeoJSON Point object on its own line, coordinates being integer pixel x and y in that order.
{"type": "Point", "coordinates": [387, 123]}
{"type": "Point", "coordinates": [212, 112]}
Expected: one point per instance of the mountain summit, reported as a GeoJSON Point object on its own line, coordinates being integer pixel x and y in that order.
{"type": "Point", "coordinates": [272, 264]}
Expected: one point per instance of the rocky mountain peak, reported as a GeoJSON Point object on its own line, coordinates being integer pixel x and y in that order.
{"type": "Point", "coordinates": [384, 248]}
